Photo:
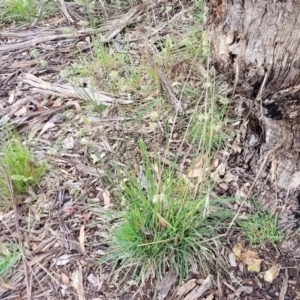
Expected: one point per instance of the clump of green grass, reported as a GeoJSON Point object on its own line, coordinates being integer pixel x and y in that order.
{"type": "Point", "coordinates": [23, 11]}
{"type": "Point", "coordinates": [20, 10]}
{"type": "Point", "coordinates": [165, 226]}
{"type": "Point", "coordinates": [18, 167]}
{"type": "Point", "coordinates": [260, 227]}
{"type": "Point", "coordinates": [8, 257]}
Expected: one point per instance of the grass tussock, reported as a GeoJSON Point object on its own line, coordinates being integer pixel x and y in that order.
{"type": "Point", "coordinates": [165, 226]}
{"type": "Point", "coordinates": [19, 169]}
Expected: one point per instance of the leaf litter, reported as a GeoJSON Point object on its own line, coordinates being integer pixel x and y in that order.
{"type": "Point", "coordinates": [63, 231]}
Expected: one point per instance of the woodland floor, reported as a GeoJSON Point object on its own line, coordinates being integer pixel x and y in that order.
{"type": "Point", "coordinates": [64, 222]}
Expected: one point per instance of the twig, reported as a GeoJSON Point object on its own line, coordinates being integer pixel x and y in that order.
{"type": "Point", "coordinates": [170, 93]}
{"type": "Point", "coordinates": [41, 39]}
{"type": "Point", "coordinates": [63, 8]}
{"type": "Point", "coordinates": [125, 20]}
{"type": "Point", "coordinates": [39, 13]}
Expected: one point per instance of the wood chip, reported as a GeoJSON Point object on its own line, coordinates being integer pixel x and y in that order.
{"type": "Point", "coordinates": [197, 292]}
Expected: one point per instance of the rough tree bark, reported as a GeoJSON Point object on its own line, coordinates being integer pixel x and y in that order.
{"type": "Point", "coordinates": [256, 46]}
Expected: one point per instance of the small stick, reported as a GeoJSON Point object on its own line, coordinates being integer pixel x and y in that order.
{"type": "Point", "coordinates": [170, 93]}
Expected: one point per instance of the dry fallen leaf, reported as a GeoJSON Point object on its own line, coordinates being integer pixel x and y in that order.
{"type": "Point", "coordinates": [163, 222]}
{"type": "Point", "coordinates": [106, 197]}
{"type": "Point", "coordinates": [272, 273]}
{"type": "Point", "coordinates": [65, 279]}
{"type": "Point", "coordinates": [223, 186]}
{"type": "Point", "coordinates": [68, 142]}
{"type": "Point", "coordinates": [249, 257]}
{"type": "Point", "coordinates": [21, 111]}
{"type": "Point", "coordinates": [197, 172]}
{"type": "Point", "coordinates": [93, 280]}
{"type": "Point", "coordinates": [219, 171]}
{"type": "Point", "coordinates": [62, 260]}
{"type": "Point", "coordinates": [230, 177]}
{"type": "Point", "coordinates": [197, 169]}
{"type": "Point", "coordinates": [254, 264]}
{"type": "Point", "coordinates": [237, 250]}
{"type": "Point", "coordinates": [86, 217]}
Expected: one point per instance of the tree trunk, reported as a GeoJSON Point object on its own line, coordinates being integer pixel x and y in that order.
{"type": "Point", "coordinates": [256, 46]}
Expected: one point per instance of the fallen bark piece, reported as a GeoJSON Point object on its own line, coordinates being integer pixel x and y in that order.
{"type": "Point", "coordinates": [200, 290]}
{"type": "Point", "coordinates": [66, 91]}
{"type": "Point", "coordinates": [243, 289]}
{"type": "Point", "coordinates": [284, 286]}
{"type": "Point", "coordinates": [166, 284]}
{"type": "Point", "coordinates": [186, 288]}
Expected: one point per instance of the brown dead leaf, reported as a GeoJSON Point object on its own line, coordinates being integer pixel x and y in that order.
{"type": "Point", "coordinates": [254, 264]}
{"type": "Point", "coordinates": [76, 104]}
{"type": "Point", "coordinates": [197, 169]}
{"type": "Point", "coordinates": [62, 260]}
{"type": "Point", "coordinates": [219, 171]}
{"type": "Point", "coordinates": [198, 172]}
{"type": "Point", "coordinates": [224, 186]}
{"type": "Point", "coordinates": [86, 217]}
{"type": "Point", "coordinates": [163, 222]}
{"type": "Point", "coordinates": [235, 148]}
{"type": "Point", "coordinates": [65, 279]}
{"type": "Point", "coordinates": [68, 211]}
{"type": "Point", "coordinates": [230, 177]}
{"type": "Point", "coordinates": [68, 142]}
{"type": "Point", "coordinates": [237, 250]}
{"type": "Point", "coordinates": [272, 273]}
{"type": "Point", "coordinates": [106, 197]}
{"type": "Point", "coordinates": [214, 164]}
{"type": "Point", "coordinates": [249, 257]}
{"type": "Point", "coordinates": [21, 111]}
{"type": "Point", "coordinates": [45, 128]}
